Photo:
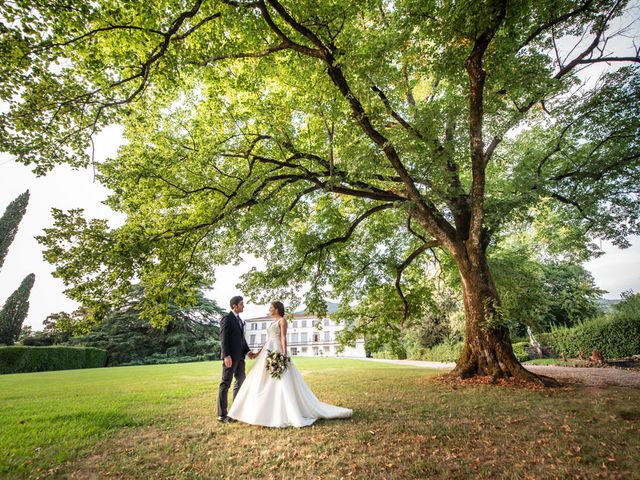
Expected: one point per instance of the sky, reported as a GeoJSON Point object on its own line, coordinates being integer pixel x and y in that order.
{"type": "Point", "coordinates": [615, 271]}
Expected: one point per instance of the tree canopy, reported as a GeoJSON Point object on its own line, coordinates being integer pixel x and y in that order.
{"type": "Point", "coordinates": [15, 310]}
{"type": "Point", "coordinates": [10, 221]}
{"type": "Point", "coordinates": [343, 142]}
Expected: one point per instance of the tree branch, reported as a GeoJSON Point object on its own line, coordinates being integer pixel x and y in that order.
{"type": "Point", "coordinates": [298, 27]}
{"type": "Point", "coordinates": [394, 114]}
{"type": "Point", "coordinates": [354, 225]}
{"type": "Point", "coordinates": [595, 175]}
{"type": "Point", "coordinates": [490, 149]}
{"type": "Point", "coordinates": [589, 50]}
{"type": "Point", "coordinates": [403, 266]}
{"type": "Point", "coordinates": [312, 52]}
{"type": "Point", "coordinates": [299, 196]}
{"type": "Point", "coordinates": [184, 35]}
{"type": "Point", "coordinates": [436, 223]}
{"type": "Point", "coordinates": [47, 44]}
{"type": "Point", "coordinates": [416, 234]}
{"type": "Point", "coordinates": [477, 75]}
{"type": "Point", "coordinates": [556, 21]}
{"type": "Point", "coordinates": [585, 61]}
{"type": "Point", "coordinates": [568, 201]}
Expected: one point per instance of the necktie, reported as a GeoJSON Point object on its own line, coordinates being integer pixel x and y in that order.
{"type": "Point", "coordinates": [241, 323]}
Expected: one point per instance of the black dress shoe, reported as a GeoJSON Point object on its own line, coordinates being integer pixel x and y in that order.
{"type": "Point", "coordinates": [224, 419]}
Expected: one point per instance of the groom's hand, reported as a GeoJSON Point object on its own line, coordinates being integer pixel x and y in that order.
{"type": "Point", "coordinates": [228, 362]}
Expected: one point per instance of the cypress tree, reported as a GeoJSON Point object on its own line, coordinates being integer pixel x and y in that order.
{"type": "Point", "coordinates": [15, 311]}
{"type": "Point", "coordinates": [10, 221]}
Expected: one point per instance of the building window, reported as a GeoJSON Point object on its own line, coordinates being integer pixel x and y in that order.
{"type": "Point", "coordinates": [304, 349]}
{"type": "Point", "coordinates": [304, 323]}
{"type": "Point", "coordinates": [254, 326]}
{"type": "Point", "coordinates": [294, 338]}
{"type": "Point", "coordinates": [252, 339]}
{"type": "Point", "coordinates": [294, 351]}
{"type": "Point", "coordinates": [295, 324]}
{"type": "Point", "coordinates": [303, 337]}
{"type": "Point", "coordinates": [326, 322]}
{"type": "Point", "coordinates": [327, 336]}
{"type": "Point", "coordinates": [316, 337]}
{"type": "Point", "coordinates": [326, 349]}
{"type": "Point", "coordinates": [264, 325]}
{"type": "Point", "coordinates": [263, 338]}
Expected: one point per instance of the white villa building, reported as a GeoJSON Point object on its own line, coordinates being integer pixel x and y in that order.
{"type": "Point", "coordinates": [307, 335]}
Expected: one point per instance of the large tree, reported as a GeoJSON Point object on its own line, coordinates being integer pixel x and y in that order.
{"type": "Point", "coordinates": [128, 338]}
{"type": "Point", "coordinates": [342, 141]}
{"type": "Point", "coordinates": [10, 221]}
{"type": "Point", "coordinates": [15, 311]}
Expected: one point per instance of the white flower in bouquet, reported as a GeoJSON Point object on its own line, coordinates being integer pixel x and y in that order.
{"type": "Point", "coordinates": [277, 363]}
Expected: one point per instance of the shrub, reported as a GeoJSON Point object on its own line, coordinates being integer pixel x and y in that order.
{"type": "Point", "coordinates": [165, 358]}
{"type": "Point", "coordinates": [449, 352]}
{"type": "Point", "coordinates": [19, 359]}
{"type": "Point", "coordinates": [615, 335]}
{"type": "Point", "coordinates": [521, 352]}
{"type": "Point", "coordinates": [445, 352]}
{"type": "Point", "coordinates": [38, 339]}
{"type": "Point", "coordinates": [386, 354]}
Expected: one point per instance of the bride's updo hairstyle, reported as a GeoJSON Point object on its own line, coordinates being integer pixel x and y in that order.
{"type": "Point", "coordinates": [279, 306]}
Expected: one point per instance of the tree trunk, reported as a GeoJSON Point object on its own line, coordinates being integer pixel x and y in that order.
{"type": "Point", "coordinates": [487, 347]}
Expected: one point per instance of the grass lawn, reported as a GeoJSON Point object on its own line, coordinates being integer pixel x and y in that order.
{"type": "Point", "coordinates": [159, 422]}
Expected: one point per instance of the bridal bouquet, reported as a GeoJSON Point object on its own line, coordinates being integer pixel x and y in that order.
{"type": "Point", "coordinates": [277, 363]}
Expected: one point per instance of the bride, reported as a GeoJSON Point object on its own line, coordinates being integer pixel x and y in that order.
{"type": "Point", "coordinates": [284, 402]}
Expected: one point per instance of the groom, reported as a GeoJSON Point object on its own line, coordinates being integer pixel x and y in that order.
{"type": "Point", "coordinates": [233, 347]}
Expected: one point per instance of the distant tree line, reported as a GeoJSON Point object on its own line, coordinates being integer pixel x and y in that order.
{"type": "Point", "coordinates": [191, 334]}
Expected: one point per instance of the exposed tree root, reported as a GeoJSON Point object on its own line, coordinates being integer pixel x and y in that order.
{"type": "Point", "coordinates": [490, 356]}
{"type": "Point", "coordinates": [515, 373]}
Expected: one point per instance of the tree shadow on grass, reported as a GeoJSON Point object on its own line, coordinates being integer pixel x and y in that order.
{"type": "Point", "coordinates": [98, 420]}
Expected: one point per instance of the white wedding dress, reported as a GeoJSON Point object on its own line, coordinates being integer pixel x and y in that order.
{"type": "Point", "coordinates": [285, 402]}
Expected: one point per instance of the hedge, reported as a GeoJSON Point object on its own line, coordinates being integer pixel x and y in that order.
{"type": "Point", "coordinates": [20, 359]}
{"type": "Point", "coordinates": [163, 358]}
{"type": "Point", "coordinates": [448, 352]}
{"type": "Point", "coordinates": [445, 352]}
{"type": "Point", "coordinates": [616, 335]}
{"type": "Point", "coordinates": [385, 354]}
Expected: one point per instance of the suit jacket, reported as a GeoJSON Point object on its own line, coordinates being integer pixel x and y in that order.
{"type": "Point", "coordinates": [232, 341]}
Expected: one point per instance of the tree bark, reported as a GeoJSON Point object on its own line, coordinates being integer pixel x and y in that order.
{"type": "Point", "coordinates": [487, 347]}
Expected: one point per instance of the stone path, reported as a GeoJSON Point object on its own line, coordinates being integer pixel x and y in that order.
{"type": "Point", "coordinates": [591, 377]}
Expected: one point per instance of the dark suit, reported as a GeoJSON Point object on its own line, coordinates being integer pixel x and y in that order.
{"type": "Point", "coordinates": [234, 345]}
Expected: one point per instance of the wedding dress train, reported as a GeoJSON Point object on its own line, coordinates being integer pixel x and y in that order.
{"type": "Point", "coordinates": [285, 402]}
